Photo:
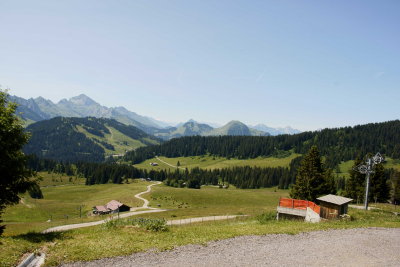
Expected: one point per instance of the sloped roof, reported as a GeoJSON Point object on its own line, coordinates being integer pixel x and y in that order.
{"type": "Point", "coordinates": [101, 208]}
{"type": "Point", "coordinates": [338, 200]}
{"type": "Point", "coordinates": [113, 205]}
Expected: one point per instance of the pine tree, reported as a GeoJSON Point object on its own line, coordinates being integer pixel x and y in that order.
{"type": "Point", "coordinates": [355, 185]}
{"type": "Point", "coordinates": [395, 192]}
{"type": "Point", "coordinates": [379, 187]}
{"type": "Point", "coordinates": [312, 179]}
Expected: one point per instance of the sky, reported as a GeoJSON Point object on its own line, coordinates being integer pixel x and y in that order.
{"type": "Point", "coordinates": [307, 64]}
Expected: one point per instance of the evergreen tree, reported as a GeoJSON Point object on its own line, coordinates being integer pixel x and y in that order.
{"type": "Point", "coordinates": [14, 175]}
{"type": "Point", "coordinates": [355, 185]}
{"type": "Point", "coordinates": [379, 188]}
{"type": "Point", "coordinates": [395, 192]}
{"type": "Point", "coordinates": [312, 179]}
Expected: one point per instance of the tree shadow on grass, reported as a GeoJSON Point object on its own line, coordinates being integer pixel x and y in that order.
{"type": "Point", "coordinates": [35, 237]}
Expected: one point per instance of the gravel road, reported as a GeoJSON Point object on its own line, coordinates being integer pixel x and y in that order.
{"type": "Point", "coordinates": [353, 247]}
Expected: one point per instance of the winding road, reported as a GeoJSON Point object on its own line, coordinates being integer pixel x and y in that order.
{"type": "Point", "coordinates": [146, 202]}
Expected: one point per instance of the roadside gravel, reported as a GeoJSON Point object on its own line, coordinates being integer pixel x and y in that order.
{"type": "Point", "coordinates": [352, 247]}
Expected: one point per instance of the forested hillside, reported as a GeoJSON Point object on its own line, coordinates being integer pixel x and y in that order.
{"type": "Point", "coordinates": [241, 177]}
{"type": "Point", "coordinates": [83, 139]}
{"type": "Point", "coordinates": [338, 144]}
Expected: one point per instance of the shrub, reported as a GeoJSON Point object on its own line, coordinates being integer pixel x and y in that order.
{"type": "Point", "coordinates": [266, 217]}
{"type": "Point", "coordinates": [154, 225]}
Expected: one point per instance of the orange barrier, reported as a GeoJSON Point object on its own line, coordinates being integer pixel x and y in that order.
{"type": "Point", "coordinates": [298, 204]}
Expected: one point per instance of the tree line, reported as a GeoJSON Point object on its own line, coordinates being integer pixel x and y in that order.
{"type": "Point", "coordinates": [337, 144]}
{"type": "Point", "coordinates": [112, 172]}
{"type": "Point", "coordinates": [313, 180]}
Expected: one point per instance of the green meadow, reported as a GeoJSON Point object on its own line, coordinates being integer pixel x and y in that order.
{"type": "Point", "coordinates": [346, 166]}
{"type": "Point", "coordinates": [94, 242]}
{"type": "Point", "coordinates": [64, 204]}
{"type": "Point", "coordinates": [64, 195]}
{"type": "Point", "coordinates": [211, 162]}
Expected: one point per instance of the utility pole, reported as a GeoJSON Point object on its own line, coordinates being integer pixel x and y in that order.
{"type": "Point", "coordinates": [368, 168]}
{"type": "Point", "coordinates": [80, 211]}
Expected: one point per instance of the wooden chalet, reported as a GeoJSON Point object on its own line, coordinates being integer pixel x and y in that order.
{"type": "Point", "coordinates": [114, 206]}
{"type": "Point", "coordinates": [333, 206]}
{"type": "Point", "coordinates": [100, 210]}
{"type": "Point", "coordinates": [111, 207]}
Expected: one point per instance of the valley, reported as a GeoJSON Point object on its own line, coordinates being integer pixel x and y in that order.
{"type": "Point", "coordinates": [199, 133]}
{"type": "Point", "coordinates": [234, 172]}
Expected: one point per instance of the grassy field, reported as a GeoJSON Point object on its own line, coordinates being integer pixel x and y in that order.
{"type": "Point", "coordinates": [56, 179]}
{"type": "Point", "coordinates": [62, 205]}
{"type": "Point", "coordinates": [210, 162]}
{"type": "Point", "coordinates": [210, 201]}
{"type": "Point", "coordinates": [344, 167]}
{"type": "Point", "coordinates": [94, 242]}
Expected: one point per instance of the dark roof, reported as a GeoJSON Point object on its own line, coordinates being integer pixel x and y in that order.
{"type": "Point", "coordinates": [338, 200]}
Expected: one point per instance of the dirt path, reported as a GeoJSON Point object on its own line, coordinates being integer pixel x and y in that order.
{"type": "Point", "coordinates": [146, 202]}
{"type": "Point", "coordinates": [353, 247]}
{"type": "Point", "coordinates": [114, 216]}
{"type": "Point", "coordinates": [166, 163]}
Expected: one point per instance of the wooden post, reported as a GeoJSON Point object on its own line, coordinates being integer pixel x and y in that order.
{"type": "Point", "coordinates": [292, 203]}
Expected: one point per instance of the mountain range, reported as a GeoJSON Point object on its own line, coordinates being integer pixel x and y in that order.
{"type": "Point", "coordinates": [38, 109]}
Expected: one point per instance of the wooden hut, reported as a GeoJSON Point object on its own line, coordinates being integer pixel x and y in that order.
{"type": "Point", "coordinates": [333, 206]}
{"type": "Point", "coordinates": [111, 207]}
{"type": "Point", "coordinates": [116, 206]}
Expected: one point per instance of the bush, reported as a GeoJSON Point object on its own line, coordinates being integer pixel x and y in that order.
{"type": "Point", "coordinates": [154, 225]}
{"type": "Point", "coordinates": [266, 217]}
{"type": "Point", "coordinates": [113, 223]}
{"type": "Point", "coordinates": [35, 192]}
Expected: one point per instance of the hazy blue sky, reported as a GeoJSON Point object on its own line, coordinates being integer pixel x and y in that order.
{"type": "Point", "coordinates": [307, 64]}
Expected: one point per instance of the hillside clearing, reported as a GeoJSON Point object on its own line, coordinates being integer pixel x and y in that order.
{"type": "Point", "coordinates": [211, 162]}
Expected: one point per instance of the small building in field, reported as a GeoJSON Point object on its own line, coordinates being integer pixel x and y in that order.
{"type": "Point", "coordinates": [111, 207]}
{"type": "Point", "coordinates": [114, 206]}
{"type": "Point", "coordinates": [154, 164]}
{"type": "Point", "coordinates": [333, 206]}
{"type": "Point", "coordinates": [100, 210]}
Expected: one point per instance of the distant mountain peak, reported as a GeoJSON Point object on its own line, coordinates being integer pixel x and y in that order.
{"type": "Point", "coordinates": [235, 122]}
{"type": "Point", "coordinates": [83, 99]}
{"type": "Point", "coordinates": [276, 131]}
{"type": "Point", "coordinates": [41, 99]}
